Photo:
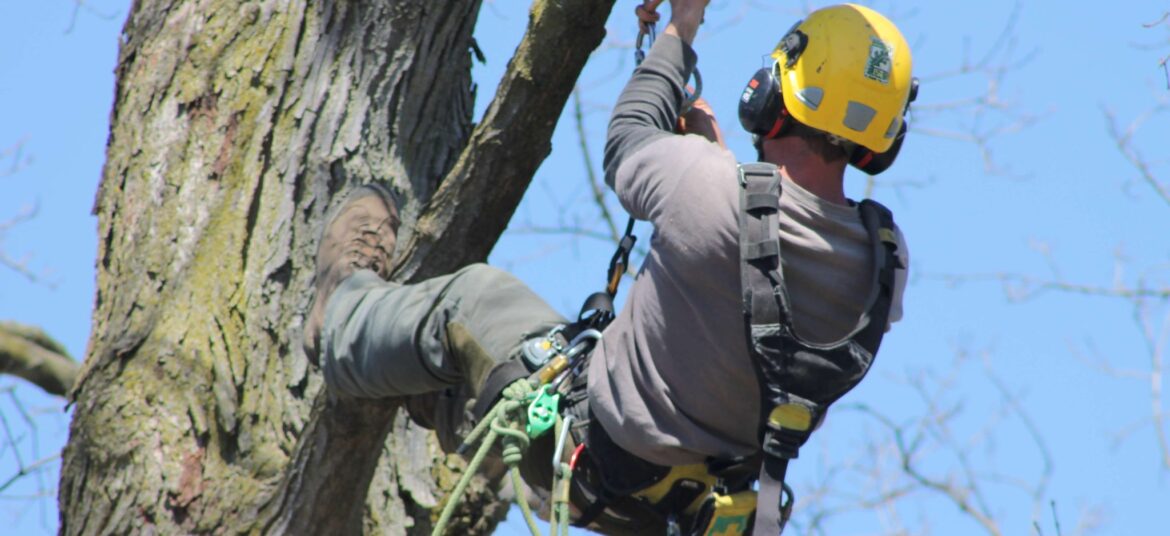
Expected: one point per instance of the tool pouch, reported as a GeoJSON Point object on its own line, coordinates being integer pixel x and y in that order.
{"type": "Point", "coordinates": [726, 515]}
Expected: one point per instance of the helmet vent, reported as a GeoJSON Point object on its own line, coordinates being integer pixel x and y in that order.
{"type": "Point", "coordinates": [893, 128]}
{"type": "Point", "coordinates": [811, 96]}
{"type": "Point", "coordinates": [858, 116]}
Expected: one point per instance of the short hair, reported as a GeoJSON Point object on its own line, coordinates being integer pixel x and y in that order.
{"type": "Point", "coordinates": [828, 147]}
{"type": "Point", "coordinates": [825, 145]}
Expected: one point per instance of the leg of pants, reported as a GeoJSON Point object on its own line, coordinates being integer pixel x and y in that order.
{"type": "Point", "coordinates": [435, 340]}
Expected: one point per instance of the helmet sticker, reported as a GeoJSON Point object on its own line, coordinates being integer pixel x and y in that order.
{"type": "Point", "coordinates": [879, 64]}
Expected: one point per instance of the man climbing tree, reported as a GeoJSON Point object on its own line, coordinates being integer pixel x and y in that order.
{"type": "Point", "coordinates": [763, 299]}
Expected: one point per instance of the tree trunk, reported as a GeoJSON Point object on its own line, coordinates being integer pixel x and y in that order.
{"type": "Point", "coordinates": [235, 127]}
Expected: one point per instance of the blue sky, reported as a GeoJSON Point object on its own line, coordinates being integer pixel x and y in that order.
{"type": "Point", "coordinates": [1059, 204]}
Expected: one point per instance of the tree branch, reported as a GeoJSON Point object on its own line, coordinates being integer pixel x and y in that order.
{"type": "Point", "coordinates": [476, 199]}
{"type": "Point", "coordinates": [344, 437]}
{"type": "Point", "coordinates": [29, 353]}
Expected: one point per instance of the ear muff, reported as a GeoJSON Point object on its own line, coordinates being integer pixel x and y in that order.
{"type": "Point", "coordinates": [761, 106]}
{"type": "Point", "coordinates": [873, 163]}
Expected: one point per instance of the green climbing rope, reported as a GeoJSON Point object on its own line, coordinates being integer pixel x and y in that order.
{"type": "Point", "coordinates": [505, 420]}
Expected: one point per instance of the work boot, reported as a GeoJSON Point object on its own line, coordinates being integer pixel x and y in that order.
{"type": "Point", "coordinates": [360, 235]}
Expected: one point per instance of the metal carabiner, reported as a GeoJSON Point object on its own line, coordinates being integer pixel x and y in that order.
{"type": "Point", "coordinates": [646, 30]}
{"type": "Point", "coordinates": [559, 452]}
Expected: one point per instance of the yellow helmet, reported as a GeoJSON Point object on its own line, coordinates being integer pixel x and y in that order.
{"type": "Point", "coordinates": [845, 70]}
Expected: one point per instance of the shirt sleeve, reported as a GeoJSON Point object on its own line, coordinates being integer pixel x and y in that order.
{"type": "Point", "coordinates": [647, 111]}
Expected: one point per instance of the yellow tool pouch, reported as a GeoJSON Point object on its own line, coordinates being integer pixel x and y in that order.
{"type": "Point", "coordinates": [683, 490]}
{"type": "Point", "coordinates": [727, 515]}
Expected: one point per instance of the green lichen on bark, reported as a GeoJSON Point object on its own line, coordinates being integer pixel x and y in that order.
{"type": "Point", "coordinates": [235, 127]}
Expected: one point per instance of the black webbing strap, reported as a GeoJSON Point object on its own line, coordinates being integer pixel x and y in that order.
{"type": "Point", "coordinates": [794, 390]}
{"type": "Point", "coordinates": [621, 259]}
{"type": "Point", "coordinates": [879, 223]}
{"type": "Point", "coordinates": [759, 242]}
{"type": "Point", "coordinates": [761, 278]}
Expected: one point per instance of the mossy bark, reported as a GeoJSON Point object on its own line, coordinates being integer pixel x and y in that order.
{"type": "Point", "coordinates": [236, 125]}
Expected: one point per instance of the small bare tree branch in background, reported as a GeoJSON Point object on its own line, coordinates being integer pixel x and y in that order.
{"type": "Point", "coordinates": [88, 7]}
{"type": "Point", "coordinates": [18, 265]}
{"type": "Point", "coordinates": [1163, 21]}
{"type": "Point", "coordinates": [13, 158]}
{"type": "Point", "coordinates": [30, 354]}
{"type": "Point", "coordinates": [1123, 137]}
{"type": "Point", "coordinates": [33, 474]}
{"type": "Point", "coordinates": [980, 118]}
{"type": "Point", "coordinates": [1149, 297]}
{"type": "Point", "coordinates": [1147, 291]}
{"type": "Point", "coordinates": [930, 456]}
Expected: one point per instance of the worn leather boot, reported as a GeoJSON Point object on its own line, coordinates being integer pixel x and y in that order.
{"type": "Point", "coordinates": [360, 235]}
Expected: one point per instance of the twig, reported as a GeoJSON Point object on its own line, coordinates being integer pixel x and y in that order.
{"type": "Point", "coordinates": [20, 265]}
{"type": "Point", "coordinates": [16, 153]}
{"type": "Point", "coordinates": [1163, 64]}
{"type": "Point", "coordinates": [998, 60]}
{"type": "Point", "coordinates": [1021, 287]}
{"type": "Point", "coordinates": [594, 185]}
{"type": "Point", "coordinates": [1124, 142]}
{"type": "Point", "coordinates": [78, 5]}
{"type": "Point", "coordinates": [27, 470]}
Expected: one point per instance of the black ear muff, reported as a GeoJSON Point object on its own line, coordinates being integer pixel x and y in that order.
{"type": "Point", "coordinates": [873, 163]}
{"type": "Point", "coordinates": [761, 106]}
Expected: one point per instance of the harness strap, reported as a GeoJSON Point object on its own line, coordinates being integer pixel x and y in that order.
{"type": "Point", "coordinates": [759, 231]}
{"type": "Point", "coordinates": [501, 376]}
{"type": "Point", "coordinates": [798, 381]}
{"type": "Point", "coordinates": [770, 520]}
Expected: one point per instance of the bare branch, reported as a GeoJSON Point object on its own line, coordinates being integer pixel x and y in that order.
{"type": "Point", "coordinates": [985, 116]}
{"type": "Point", "coordinates": [29, 353]}
{"type": "Point", "coordinates": [18, 265]}
{"type": "Point", "coordinates": [16, 157]}
{"type": "Point", "coordinates": [530, 96]}
{"type": "Point", "coordinates": [1163, 64]}
{"type": "Point", "coordinates": [1123, 138]}
{"type": "Point", "coordinates": [1021, 287]}
{"type": "Point", "coordinates": [594, 185]}
{"type": "Point", "coordinates": [932, 453]}
{"type": "Point", "coordinates": [908, 458]}
{"type": "Point", "coordinates": [79, 5]}
{"type": "Point", "coordinates": [26, 470]}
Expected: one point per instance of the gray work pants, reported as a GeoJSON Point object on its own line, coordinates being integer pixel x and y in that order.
{"type": "Point", "coordinates": [435, 340]}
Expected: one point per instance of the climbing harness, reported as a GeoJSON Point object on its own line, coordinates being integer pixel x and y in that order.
{"type": "Point", "coordinates": [527, 409]}
{"type": "Point", "coordinates": [799, 380]}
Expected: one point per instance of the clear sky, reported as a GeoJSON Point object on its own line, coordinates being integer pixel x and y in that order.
{"type": "Point", "coordinates": [1056, 202]}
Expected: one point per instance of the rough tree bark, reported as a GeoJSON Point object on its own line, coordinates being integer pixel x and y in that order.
{"type": "Point", "coordinates": [235, 126]}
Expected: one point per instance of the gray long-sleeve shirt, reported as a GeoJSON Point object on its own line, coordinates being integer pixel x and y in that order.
{"type": "Point", "coordinates": [672, 381]}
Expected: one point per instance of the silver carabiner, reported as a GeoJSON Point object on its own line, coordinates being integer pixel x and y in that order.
{"type": "Point", "coordinates": [649, 30]}
{"type": "Point", "coordinates": [646, 30]}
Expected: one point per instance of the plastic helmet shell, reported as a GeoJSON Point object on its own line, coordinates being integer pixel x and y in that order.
{"type": "Point", "coordinates": [851, 76]}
